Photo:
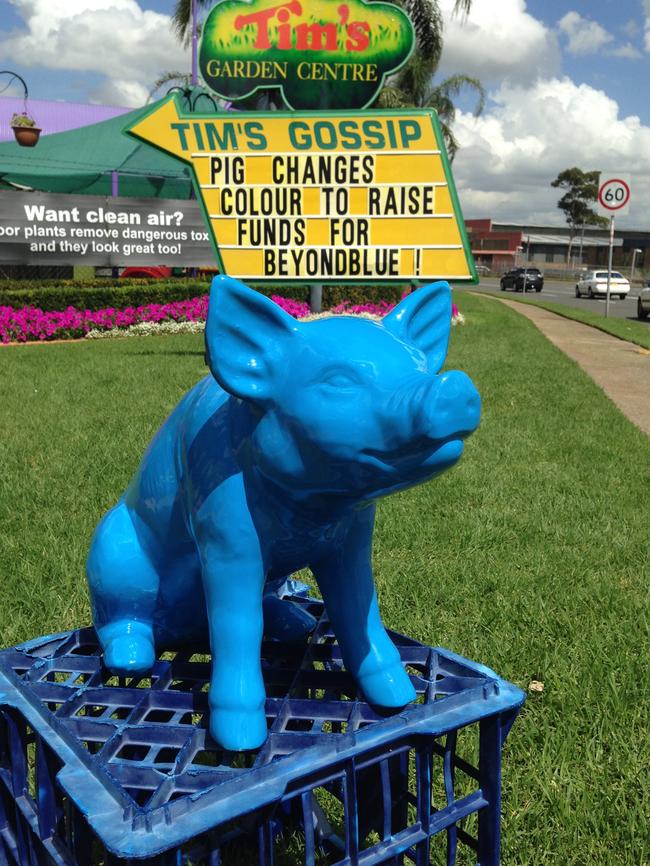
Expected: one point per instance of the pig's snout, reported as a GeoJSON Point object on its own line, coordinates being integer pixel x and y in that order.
{"type": "Point", "coordinates": [451, 408]}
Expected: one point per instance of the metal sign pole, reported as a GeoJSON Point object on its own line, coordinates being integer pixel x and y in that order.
{"type": "Point", "coordinates": [609, 266]}
{"type": "Point", "coordinates": [526, 265]}
{"type": "Point", "coordinates": [316, 297]}
{"type": "Point", "coordinates": [195, 45]}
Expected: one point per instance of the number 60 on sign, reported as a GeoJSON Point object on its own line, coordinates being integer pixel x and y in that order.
{"type": "Point", "coordinates": [614, 194]}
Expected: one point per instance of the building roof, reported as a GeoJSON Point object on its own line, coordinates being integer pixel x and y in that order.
{"type": "Point", "coordinates": [562, 232]}
{"type": "Point", "coordinates": [562, 240]}
{"type": "Point", "coordinates": [53, 116]}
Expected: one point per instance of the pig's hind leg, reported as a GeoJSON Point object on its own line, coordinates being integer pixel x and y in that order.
{"type": "Point", "coordinates": [124, 590]}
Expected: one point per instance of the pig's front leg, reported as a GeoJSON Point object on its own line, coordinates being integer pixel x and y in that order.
{"type": "Point", "coordinates": [233, 581]}
{"type": "Point", "coordinates": [344, 576]}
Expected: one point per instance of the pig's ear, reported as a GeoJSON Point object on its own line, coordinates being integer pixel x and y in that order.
{"type": "Point", "coordinates": [247, 340]}
{"type": "Point", "coordinates": [423, 319]}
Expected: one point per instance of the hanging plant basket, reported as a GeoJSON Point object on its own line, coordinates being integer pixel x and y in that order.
{"type": "Point", "coordinates": [26, 136]}
{"type": "Point", "coordinates": [25, 130]}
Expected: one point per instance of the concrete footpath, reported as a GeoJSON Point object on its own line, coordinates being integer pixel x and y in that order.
{"type": "Point", "coordinates": [621, 369]}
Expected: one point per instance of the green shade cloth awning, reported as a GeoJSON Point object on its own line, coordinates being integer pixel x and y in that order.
{"type": "Point", "coordinates": [82, 160]}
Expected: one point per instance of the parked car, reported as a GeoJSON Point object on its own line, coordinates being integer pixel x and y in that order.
{"type": "Point", "coordinates": [517, 278]}
{"type": "Point", "coordinates": [594, 283]}
{"type": "Point", "coordinates": [482, 270]}
{"type": "Point", "coordinates": [643, 302]}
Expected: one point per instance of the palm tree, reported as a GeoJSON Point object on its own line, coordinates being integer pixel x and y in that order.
{"type": "Point", "coordinates": [413, 85]}
{"type": "Point", "coordinates": [174, 79]}
{"type": "Point", "coordinates": [185, 22]}
{"type": "Point", "coordinates": [426, 18]}
{"type": "Point", "coordinates": [187, 27]}
{"type": "Point", "coordinates": [182, 18]}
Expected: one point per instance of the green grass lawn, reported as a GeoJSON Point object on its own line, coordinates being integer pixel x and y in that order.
{"type": "Point", "coordinates": [633, 331]}
{"type": "Point", "coordinates": [530, 556]}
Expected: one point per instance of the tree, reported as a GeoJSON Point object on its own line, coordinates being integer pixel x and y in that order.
{"type": "Point", "coordinates": [182, 18]}
{"type": "Point", "coordinates": [581, 190]}
{"type": "Point", "coordinates": [183, 25]}
{"type": "Point", "coordinates": [175, 79]}
{"type": "Point", "coordinates": [413, 87]}
{"type": "Point", "coordinates": [426, 18]}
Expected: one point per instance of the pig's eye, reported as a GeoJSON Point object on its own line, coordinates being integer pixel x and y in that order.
{"type": "Point", "coordinates": [340, 380]}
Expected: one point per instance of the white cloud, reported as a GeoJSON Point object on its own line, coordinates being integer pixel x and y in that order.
{"type": "Point", "coordinates": [631, 28]}
{"type": "Point", "coordinates": [646, 9]}
{"type": "Point", "coordinates": [498, 42]}
{"type": "Point", "coordinates": [119, 92]}
{"type": "Point", "coordinates": [628, 51]}
{"type": "Point", "coordinates": [116, 38]}
{"type": "Point", "coordinates": [585, 36]}
{"type": "Point", "coordinates": [509, 156]}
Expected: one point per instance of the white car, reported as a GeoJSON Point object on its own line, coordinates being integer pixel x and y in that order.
{"type": "Point", "coordinates": [643, 303]}
{"type": "Point", "coordinates": [594, 283]}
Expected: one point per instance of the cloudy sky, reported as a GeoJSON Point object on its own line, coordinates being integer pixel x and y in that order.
{"type": "Point", "coordinates": [567, 85]}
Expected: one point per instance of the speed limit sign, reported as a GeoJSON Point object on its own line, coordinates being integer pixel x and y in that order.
{"type": "Point", "coordinates": [613, 194]}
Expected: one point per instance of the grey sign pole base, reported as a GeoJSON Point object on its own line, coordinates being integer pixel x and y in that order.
{"type": "Point", "coordinates": [316, 297]}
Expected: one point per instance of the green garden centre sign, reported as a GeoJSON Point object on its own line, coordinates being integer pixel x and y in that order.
{"type": "Point", "coordinates": [320, 54]}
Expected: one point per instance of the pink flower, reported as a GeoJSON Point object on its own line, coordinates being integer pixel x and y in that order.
{"type": "Point", "coordinates": [31, 323]}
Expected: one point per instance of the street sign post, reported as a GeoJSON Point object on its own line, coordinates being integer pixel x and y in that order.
{"type": "Point", "coordinates": [614, 193]}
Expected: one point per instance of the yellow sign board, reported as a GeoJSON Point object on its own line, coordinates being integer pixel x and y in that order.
{"type": "Point", "coordinates": [321, 197]}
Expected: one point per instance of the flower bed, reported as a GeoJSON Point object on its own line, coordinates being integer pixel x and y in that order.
{"type": "Point", "coordinates": [300, 309]}
{"type": "Point", "coordinates": [30, 324]}
{"type": "Point", "coordinates": [33, 324]}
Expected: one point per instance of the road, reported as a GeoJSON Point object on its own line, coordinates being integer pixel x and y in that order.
{"type": "Point", "coordinates": [561, 292]}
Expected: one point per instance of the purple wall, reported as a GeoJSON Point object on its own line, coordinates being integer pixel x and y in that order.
{"type": "Point", "coordinates": [54, 116]}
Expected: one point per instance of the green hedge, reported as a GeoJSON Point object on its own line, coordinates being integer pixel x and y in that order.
{"type": "Point", "coordinates": [97, 297]}
{"type": "Point", "coordinates": [98, 294]}
{"type": "Point", "coordinates": [334, 295]}
{"type": "Point", "coordinates": [94, 283]}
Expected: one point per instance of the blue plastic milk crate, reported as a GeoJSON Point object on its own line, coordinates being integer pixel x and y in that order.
{"type": "Point", "coordinates": [97, 770]}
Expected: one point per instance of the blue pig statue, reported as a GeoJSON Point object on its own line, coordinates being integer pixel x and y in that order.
{"type": "Point", "coordinates": [270, 464]}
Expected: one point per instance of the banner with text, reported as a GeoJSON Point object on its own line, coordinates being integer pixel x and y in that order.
{"type": "Point", "coordinates": [42, 228]}
{"type": "Point", "coordinates": [319, 197]}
